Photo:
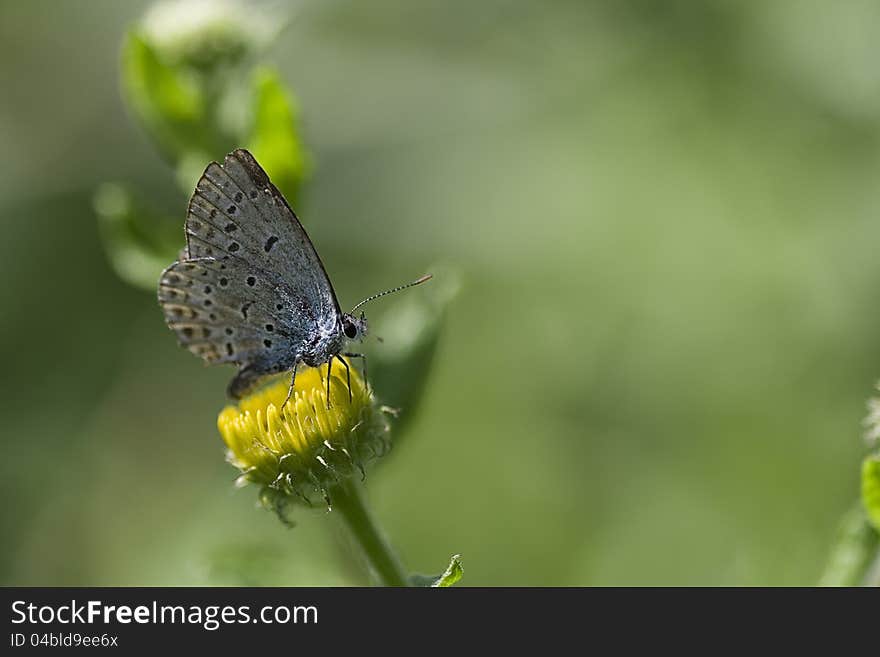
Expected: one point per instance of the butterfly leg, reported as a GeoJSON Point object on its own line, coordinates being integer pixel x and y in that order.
{"type": "Point", "coordinates": [329, 365]}
{"type": "Point", "coordinates": [290, 389]}
{"type": "Point", "coordinates": [347, 376]}
{"type": "Point", "coordinates": [364, 363]}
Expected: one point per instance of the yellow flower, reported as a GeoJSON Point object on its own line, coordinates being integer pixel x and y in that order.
{"type": "Point", "coordinates": [305, 448]}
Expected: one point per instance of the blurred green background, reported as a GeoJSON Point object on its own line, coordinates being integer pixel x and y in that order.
{"type": "Point", "coordinates": [666, 215]}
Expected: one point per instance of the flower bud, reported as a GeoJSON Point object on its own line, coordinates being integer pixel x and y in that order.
{"type": "Point", "coordinates": [301, 449]}
{"type": "Point", "coordinates": [204, 33]}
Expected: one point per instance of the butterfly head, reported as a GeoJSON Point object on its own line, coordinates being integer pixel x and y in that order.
{"type": "Point", "coordinates": [354, 328]}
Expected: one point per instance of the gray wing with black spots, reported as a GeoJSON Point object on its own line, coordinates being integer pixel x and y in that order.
{"type": "Point", "coordinates": [224, 312]}
{"type": "Point", "coordinates": [236, 212]}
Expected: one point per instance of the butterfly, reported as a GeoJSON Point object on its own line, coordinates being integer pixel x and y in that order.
{"type": "Point", "coordinates": [249, 288]}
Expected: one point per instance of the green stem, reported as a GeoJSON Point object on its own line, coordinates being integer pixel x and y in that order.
{"type": "Point", "coordinates": [348, 501]}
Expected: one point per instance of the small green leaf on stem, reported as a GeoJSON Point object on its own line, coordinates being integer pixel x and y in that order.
{"type": "Point", "coordinates": [274, 140]}
{"type": "Point", "coordinates": [453, 573]}
{"type": "Point", "coordinates": [139, 245]}
{"type": "Point", "coordinates": [851, 557]}
{"type": "Point", "coordinates": [167, 100]}
{"type": "Point", "coordinates": [871, 489]}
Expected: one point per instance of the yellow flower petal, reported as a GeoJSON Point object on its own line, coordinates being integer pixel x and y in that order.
{"type": "Point", "coordinates": [303, 447]}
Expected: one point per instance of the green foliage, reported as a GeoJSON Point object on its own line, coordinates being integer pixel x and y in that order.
{"type": "Point", "coordinates": [168, 101]}
{"type": "Point", "coordinates": [199, 93]}
{"type": "Point", "coordinates": [856, 555]}
{"type": "Point", "coordinates": [273, 139]}
{"type": "Point", "coordinates": [138, 243]}
{"type": "Point", "coordinates": [856, 546]}
{"type": "Point", "coordinates": [871, 489]}
{"type": "Point", "coordinates": [411, 330]}
{"type": "Point", "coordinates": [450, 576]}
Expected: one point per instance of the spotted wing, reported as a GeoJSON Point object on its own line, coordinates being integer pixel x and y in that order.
{"type": "Point", "coordinates": [225, 312]}
{"type": "Point", "coordinates": [237, 213]}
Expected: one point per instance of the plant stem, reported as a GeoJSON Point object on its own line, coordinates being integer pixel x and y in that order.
{"type": "Point", "coordinates": [348, 501]}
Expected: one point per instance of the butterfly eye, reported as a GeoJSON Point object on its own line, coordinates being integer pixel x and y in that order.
{"type": "Point", "coordinates": [350, 330]}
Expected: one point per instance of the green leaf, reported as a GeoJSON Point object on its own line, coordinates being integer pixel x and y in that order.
{"type": "Point", "coordinates": [411, 330]}
{"type": "Point", "coordinates": [139, 244]}
{"type": "Point", "coordinates": [167, 100]}
{"type": "Point", "coordinates": [189, 169]}
{"type": "Point", "coordinates": [274, 140]}
{"type": "Point", "coordinates": [871, 489]}
{"type": "Point", "coordinates": [855, 548]}
{"type": "Point", "coordinates": [453, 573]}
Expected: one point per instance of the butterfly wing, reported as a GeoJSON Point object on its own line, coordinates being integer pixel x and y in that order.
{"type": "Point", "coordinates": [237, 212]}
{"type": "Point", "coordinates": [223, 322]}
{"type": "Point", "coordinates": [250, 289]}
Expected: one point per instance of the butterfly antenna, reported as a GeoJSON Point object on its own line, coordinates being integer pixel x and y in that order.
{"type": "Point", "coordinates": [426, 277]}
